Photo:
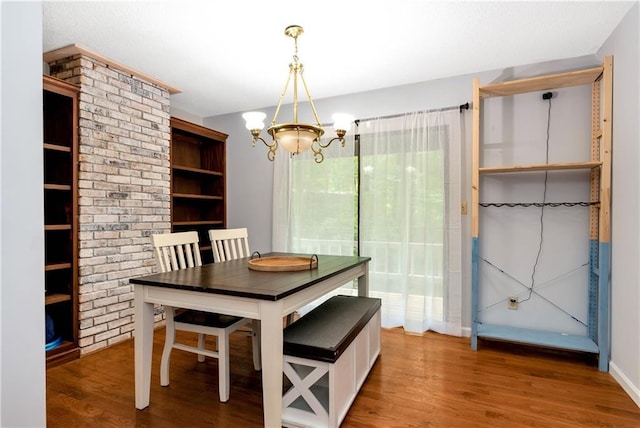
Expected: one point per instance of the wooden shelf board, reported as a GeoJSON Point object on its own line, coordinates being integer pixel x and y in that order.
{"type": "Point", "coordinates": [541, 83]}
{"type": "Point", "coordinates": [57, 266]}
{"type": "Point", "coordinates": [537, 337]}
{"type": "Point", "coordinates": [197, 170]}
{"type": "Point", "coordinates": [540, 167]}
{"type": "Point", "coordinates": [193, 196]}
{"type": "Point", "coordinates": [65, 346]}
{"type": "Point", "coordinates": [57, 186]}
{"type": "Point", "coordinates": [196, 223]}
{"type": "Point", "coordinates": [183, 125]}
{"type": "Point", "coordinates": [65, 352]}
{"type": "Point", "coordinates": [57, 227]}
{"type": "Point", "coordinates": [57, 147]}
{"type": "Point", "coordinates": [50, 299]}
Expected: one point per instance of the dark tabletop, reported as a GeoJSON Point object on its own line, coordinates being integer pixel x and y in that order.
{"type": "Point", "coordinates": [234, 278]}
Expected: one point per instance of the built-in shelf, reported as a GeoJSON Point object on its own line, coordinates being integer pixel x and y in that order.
{"type": "Point", "coordinates": [198, 168]}
{"type": "Point", "coordinates": [60, 169]}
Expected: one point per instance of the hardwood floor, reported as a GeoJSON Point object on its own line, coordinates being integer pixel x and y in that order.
{"type": "Point", "coordinates": [418, 381]}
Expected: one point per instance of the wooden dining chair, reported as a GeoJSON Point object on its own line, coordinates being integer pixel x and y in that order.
{"type": "Point", "coordinates": [229, 244]}
{"type": "Point", "coordinates": [181, 250]}
{"type": "Point", "coordinates": [232, 244]}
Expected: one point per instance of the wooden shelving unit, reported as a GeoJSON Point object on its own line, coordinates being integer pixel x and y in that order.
{"type": "Point", "coordinates": [60, 124]}
{"type": "Point", "coordinates": [601, 81]}
{"type": "Point", "coordinates": [198, 171]}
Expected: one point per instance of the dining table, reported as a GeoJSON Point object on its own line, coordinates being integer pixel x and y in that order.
{"type": "Point", "coordinates": [233, 288]}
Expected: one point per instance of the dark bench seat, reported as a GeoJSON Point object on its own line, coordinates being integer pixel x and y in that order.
{"type": "Point", "coordinates": [337, 343]}
{"type": "Point", "coordinates": [326, 332]}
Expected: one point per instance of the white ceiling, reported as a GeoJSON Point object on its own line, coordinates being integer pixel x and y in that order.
{"type": "Point", "coordinates": [233, 56]}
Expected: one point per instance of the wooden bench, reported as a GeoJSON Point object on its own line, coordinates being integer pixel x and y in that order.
{"type": "Point", "coordinates": [328, 354]}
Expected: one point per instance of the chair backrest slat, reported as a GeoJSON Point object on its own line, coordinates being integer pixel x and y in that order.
{"type": "Point", "coordinates": [229, 244]}
{"type": "Point", "coordinates": [176, 250]}
{"type": "Point", "coordinates": [176, 257]}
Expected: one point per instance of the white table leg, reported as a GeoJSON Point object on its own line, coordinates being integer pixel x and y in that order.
{"type": "Point", "coordinates": [271, 346]}
{"type": "Point", "coordinates": [363, 282]}
{"type": "Point", "coordinates": [143, 346]}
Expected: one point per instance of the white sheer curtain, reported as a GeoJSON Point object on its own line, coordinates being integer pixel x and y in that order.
{"type": "Point", "coordinates": [315, 205]}
{"type": "Point", "coordinates": [409, 223]}
{"type": "Point", "coordinates": [410, 218]}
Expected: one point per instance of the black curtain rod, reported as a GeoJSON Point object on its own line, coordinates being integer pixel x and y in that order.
{"type": "Point", "coordinates": [461, 107]}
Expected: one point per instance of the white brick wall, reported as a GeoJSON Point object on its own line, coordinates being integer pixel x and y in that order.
{"type": "Point", "coordinates": [123, 192]}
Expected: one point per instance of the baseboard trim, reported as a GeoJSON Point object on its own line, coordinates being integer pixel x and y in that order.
{"type": "Point", "coordinates": [625, 383]}
{"type": "Point", "coordinates": [466, 331]}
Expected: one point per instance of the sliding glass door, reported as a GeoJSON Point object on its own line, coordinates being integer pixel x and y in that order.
{"type": "Point", "coordinates": [392, 193]}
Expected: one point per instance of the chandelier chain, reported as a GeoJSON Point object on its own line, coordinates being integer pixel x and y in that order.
{"type": "Point", "coordinates": [295, 49]}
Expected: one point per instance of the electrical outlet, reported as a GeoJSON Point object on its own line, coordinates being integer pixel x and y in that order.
{"type": "Point", "coordinates": [512, 303]}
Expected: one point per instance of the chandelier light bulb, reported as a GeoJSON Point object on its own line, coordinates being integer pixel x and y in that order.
{"type": "Point", "coordinates": [342, 121]}
{"type": "Point", "coordinates": [254, 120]}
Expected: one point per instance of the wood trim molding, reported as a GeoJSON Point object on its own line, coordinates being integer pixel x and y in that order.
{"type": "Point", "coordinates": [74, 49]}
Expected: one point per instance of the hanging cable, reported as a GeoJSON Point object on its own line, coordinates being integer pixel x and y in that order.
{"type": "Point", "coordinates": [547, 96]}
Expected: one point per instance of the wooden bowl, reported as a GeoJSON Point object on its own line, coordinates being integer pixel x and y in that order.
{"type": "Point", "coordinates": [283, 263]}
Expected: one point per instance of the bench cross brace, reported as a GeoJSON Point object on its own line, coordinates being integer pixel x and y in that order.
{"type": "Point", "coordinates": [302, 387]}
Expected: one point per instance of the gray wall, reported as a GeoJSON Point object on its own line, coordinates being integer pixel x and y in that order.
{"type": "Point", "coordinates": [250, 174]}
{"type": "Point", "coordinates": [624, 45]}
{"type": "Point", "coordinates": [22, 370]}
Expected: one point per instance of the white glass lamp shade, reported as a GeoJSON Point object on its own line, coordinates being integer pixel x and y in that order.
{"type": "Point", "coordinates": [342, 121]}
{"type": "Point", "coordinates": [296, 140]}
{"type": "Point", "coordinates": [254, 120]}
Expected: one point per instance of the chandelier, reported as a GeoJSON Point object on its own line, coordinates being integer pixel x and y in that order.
{"type": "Point", "coordinates": [296, 137]}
